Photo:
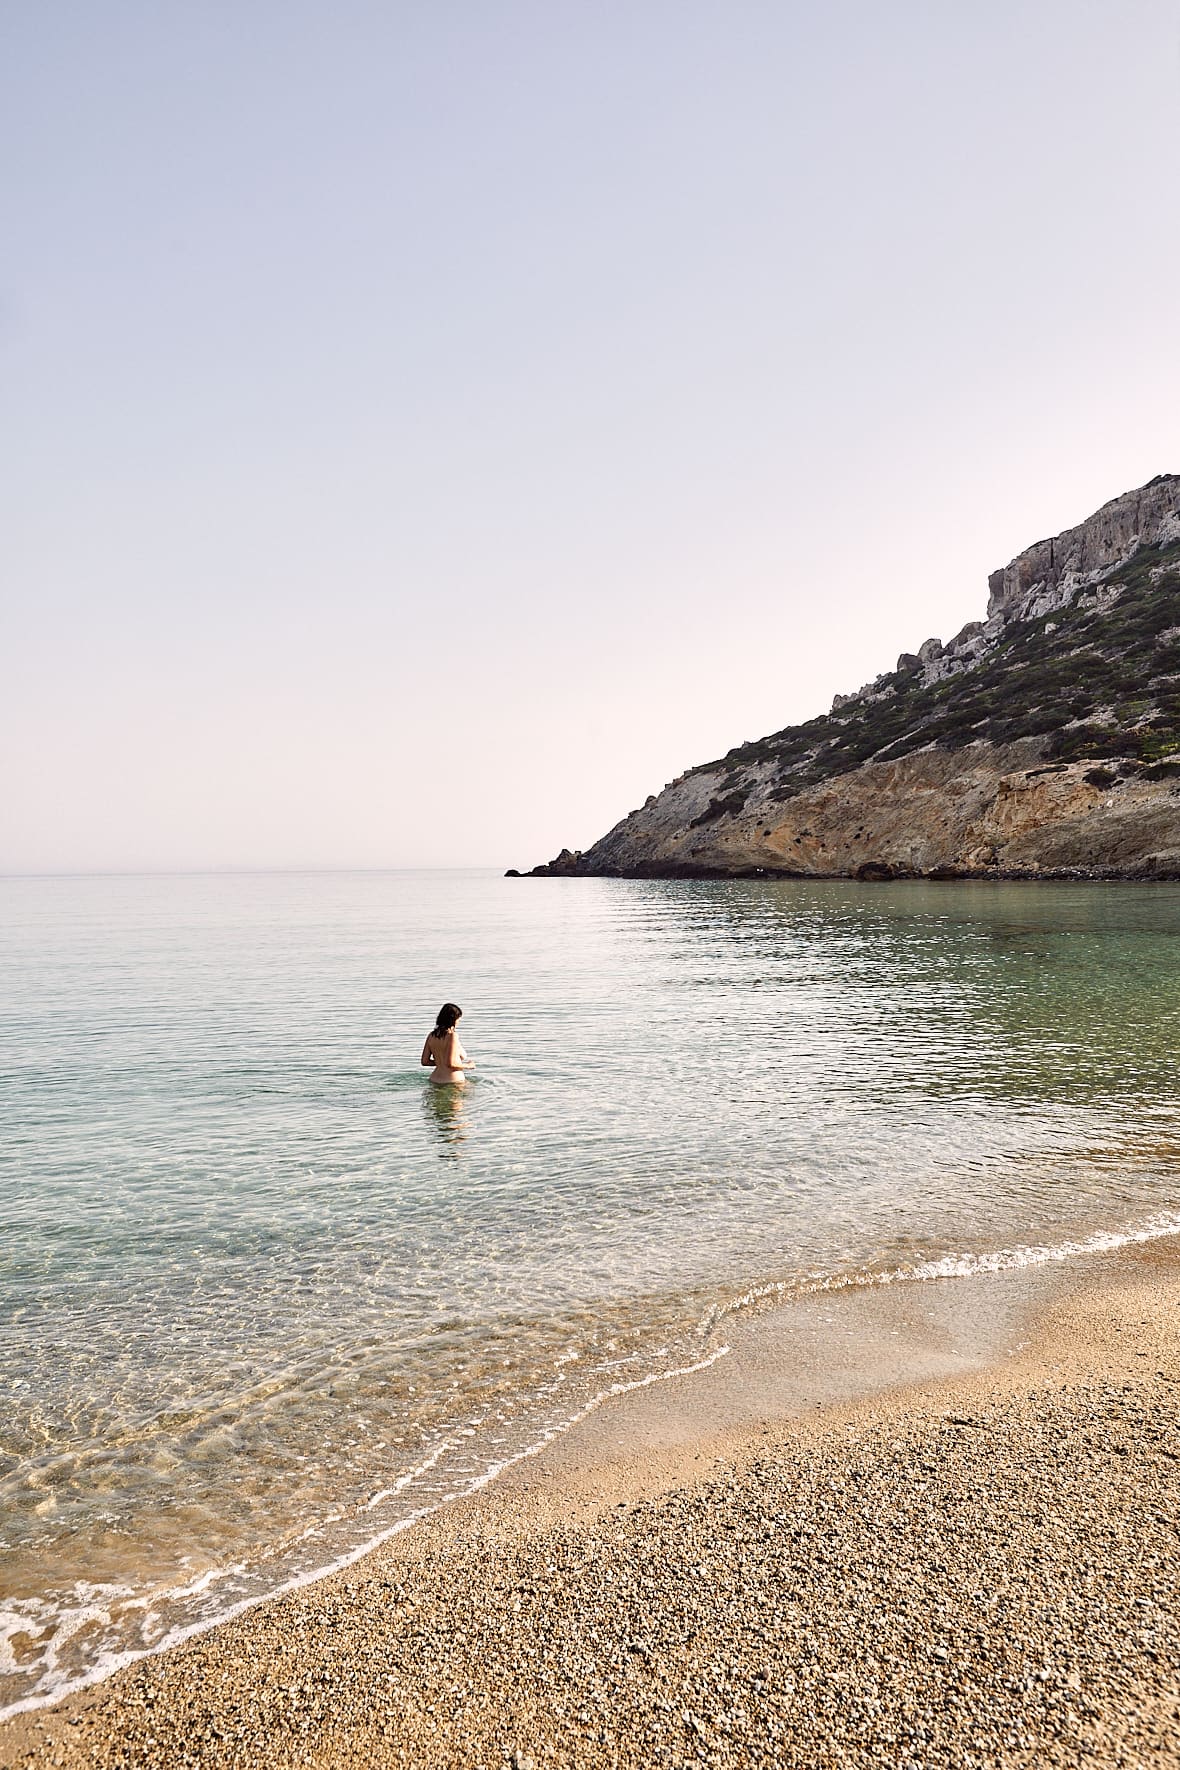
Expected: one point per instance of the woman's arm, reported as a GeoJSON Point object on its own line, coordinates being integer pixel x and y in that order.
{"type": "Point", "coordinates": [427, 1060]}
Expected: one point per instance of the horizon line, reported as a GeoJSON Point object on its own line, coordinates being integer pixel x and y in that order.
{"type": "Point", "coordinates": [230, 871]}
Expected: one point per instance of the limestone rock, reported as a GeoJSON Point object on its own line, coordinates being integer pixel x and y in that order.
{"type": "Point", "coordinates": [985, 809]}
{"type": "Point", "coordinates": [1050, 574]}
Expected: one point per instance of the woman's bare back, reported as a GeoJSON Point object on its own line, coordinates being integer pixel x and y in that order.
{"type": "Point", "coordinates": [449, 1058]}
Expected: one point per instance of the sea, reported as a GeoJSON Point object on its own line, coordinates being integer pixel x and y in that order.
{"type": "Point", "coordinates": [267, 1296]}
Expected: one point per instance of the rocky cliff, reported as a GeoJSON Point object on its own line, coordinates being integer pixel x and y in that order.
{"type": "Point", "coordinates": [1043, 741]}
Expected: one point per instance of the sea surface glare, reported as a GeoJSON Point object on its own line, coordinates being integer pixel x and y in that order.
{"type": "Point", "coordinates": [265, 1294]}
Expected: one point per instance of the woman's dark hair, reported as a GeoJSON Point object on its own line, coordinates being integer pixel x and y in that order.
{"type": "Point", "coordinates": [447, 1016]}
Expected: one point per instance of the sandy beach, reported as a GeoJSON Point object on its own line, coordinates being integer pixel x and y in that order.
{"type": "Point", "coordinates": [952, 1539]}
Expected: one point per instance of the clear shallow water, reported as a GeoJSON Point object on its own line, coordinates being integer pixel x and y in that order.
{"type": "Point", "coordinates": [265, 1295]}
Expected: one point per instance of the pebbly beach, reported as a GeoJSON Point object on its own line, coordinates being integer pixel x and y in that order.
{"type": "Point", "coordinates": [958, 1543]}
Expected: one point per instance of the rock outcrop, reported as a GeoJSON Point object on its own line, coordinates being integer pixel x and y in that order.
{"type": "Point", "coordinates": [1049, 575]}
{"type": "Point", "coordinates": [564, 865]}
{"type": "Point", "coordinates": [1041, 742]}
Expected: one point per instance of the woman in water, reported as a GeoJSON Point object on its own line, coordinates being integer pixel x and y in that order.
{"type": "Point", "coordinates": [443, 1050]}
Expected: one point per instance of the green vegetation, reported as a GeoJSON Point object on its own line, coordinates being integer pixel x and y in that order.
{"type": "Point", "coordinates": [1095, 681]}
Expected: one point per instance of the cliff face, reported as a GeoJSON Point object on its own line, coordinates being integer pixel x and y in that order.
{"type": "Point", "coordinates": [987, 809]}
{"type": "Point", "coordinates": [1050, 574]}
{"type": "Point", "coordinates": [1043, 741]}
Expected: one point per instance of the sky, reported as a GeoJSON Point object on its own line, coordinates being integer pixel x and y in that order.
{"type": "Point", "coordinates": [427, 429]}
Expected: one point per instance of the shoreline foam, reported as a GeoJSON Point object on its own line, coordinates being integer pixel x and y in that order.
{"type": "Point", "coordinates": [730, 1317]}
{"type": "Point", "coordinates": [635, 1452]}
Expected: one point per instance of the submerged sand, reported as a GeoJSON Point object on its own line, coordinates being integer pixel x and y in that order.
{"type": "Point", "coordinates": [975, 1563]}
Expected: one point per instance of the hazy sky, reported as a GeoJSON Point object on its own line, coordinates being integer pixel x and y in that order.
{"type": "Point", "coordinates": [426, 429]}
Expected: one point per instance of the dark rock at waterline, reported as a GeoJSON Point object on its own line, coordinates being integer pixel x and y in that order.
{"type": "Point", "coordinates": [563, 866]}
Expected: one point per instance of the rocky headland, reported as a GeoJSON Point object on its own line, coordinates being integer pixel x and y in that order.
{"type": "Point", "coordinates": [1041, 742]}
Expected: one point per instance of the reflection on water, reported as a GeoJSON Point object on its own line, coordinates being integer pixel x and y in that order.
{"type": "Point", "coordinates": [445, 1110]}
{"type": "Point", "coordinates": [264, 1290]}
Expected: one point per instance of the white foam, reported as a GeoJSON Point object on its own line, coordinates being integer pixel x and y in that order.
{"type": "Point", "coordinates": [403, 1481]}
{"type": "Point", "coordinates": [94, 1604]}
{"type": "Point", "coordinates": [52, 1690]}
{"type": "Point", "coordinates": [1102, 1241]}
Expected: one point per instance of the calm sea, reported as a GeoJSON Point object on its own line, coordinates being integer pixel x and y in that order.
{"type": "Point", "coordinates": [265, 1294]}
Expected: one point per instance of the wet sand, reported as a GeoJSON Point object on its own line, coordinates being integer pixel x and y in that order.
{"type": "Point", "coordinates": [929, 1525]}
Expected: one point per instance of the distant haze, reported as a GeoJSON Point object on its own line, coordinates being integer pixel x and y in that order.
{"type": "Point", "coordinates": [428, 429]}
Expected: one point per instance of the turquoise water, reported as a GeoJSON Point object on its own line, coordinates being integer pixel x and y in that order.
{"type": "Point", "coordinates": [265, 1295]}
